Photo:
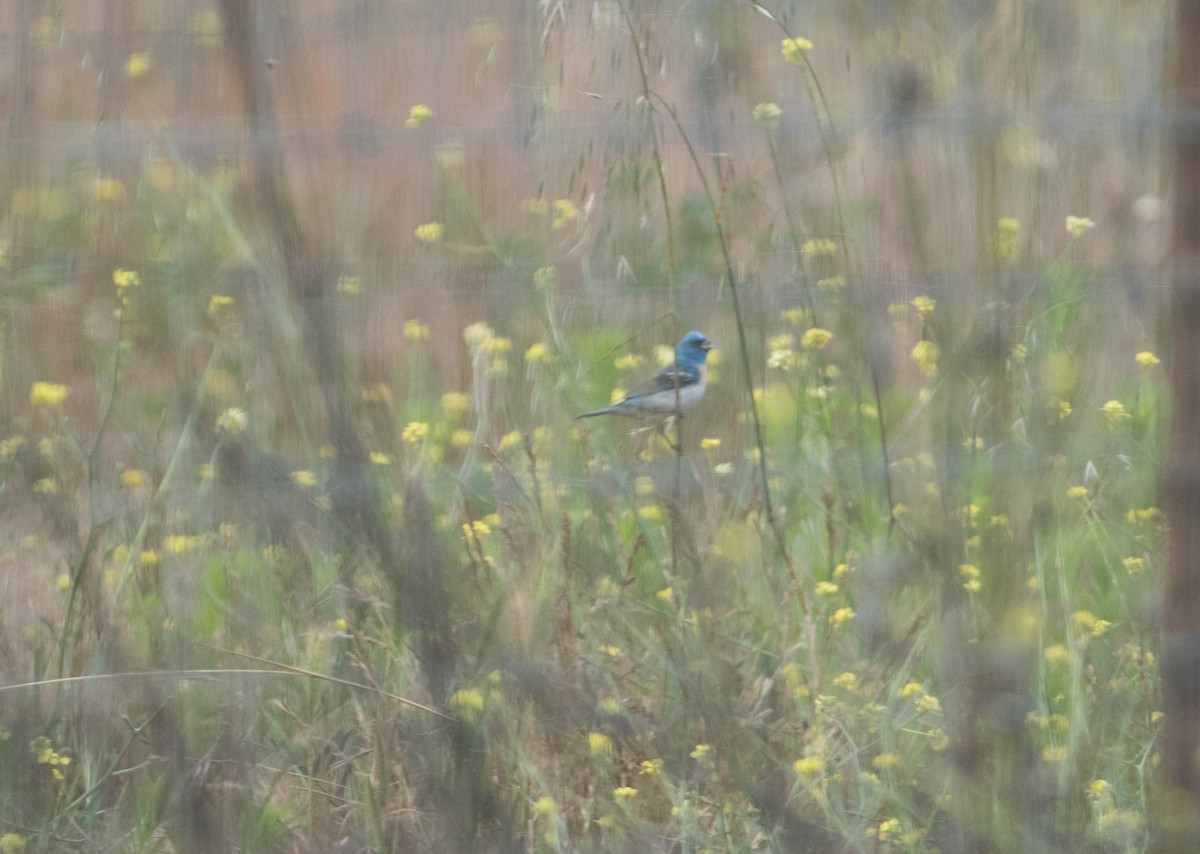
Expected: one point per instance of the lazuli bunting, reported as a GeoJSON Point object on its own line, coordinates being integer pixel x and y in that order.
{"type": "Point", "coordinates": [677, 387]}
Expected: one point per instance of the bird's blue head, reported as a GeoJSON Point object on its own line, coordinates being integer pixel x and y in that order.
{"type": "Point", "coordinates": [693, 349]}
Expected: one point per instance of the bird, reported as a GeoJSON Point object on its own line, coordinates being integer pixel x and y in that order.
{"type": "Point", "coordinates": [676, 388]}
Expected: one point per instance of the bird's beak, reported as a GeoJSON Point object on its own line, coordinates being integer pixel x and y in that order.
{"type": "Point", "coordinates": [707, 345]}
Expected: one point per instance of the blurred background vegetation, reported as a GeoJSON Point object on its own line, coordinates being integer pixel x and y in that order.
{"type": "Point", "coordinates": [301, 548]}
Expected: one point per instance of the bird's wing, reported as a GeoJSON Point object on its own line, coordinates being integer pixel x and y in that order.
{"type": "Point", "coordinates": [670, 378]}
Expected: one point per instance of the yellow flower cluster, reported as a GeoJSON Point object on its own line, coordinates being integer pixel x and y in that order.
{"type": "Point", "coordinates": [537, 352]}
{"type": "Point", "coordinates": [417, 116]}
{"type": "Point", "coordinates": [768, 113]}
{"type": "Point", "coordinates": [430, 232]}
{"type": "Point", "coordinates": [43, 749]}
{"type": "Point", "coordinates": [181, 544]}
{"type": "Point", "coordinates": [1077, 226]}
{"type": "Point", "coordinates": [564, 212]}
{"type": "Point", "coordinates": [599, 744]}
{"type": "Point", "coordinates": [218, 304]}
{"type": "Point", "coordinates": [808, 766]}
{"type": "Point", "coordinates": [819, 246]}
{"type": "Point", "coordinates": [816, 339]}
{"type": "Point", "coordinates": [137, 66]}
{"type": "Point", "coordinates": [924, 305]}
{"type": "Point", "coordinates": [926, 354]}
{"type": "Point", "coordinates": [1115, 412]}
{"type": "Point", "coordinates": [476, 529]}
{"type": "Point", "coordinates": [47, 395]}
{"type": "Point", "coordinates": [416, 331]}
{"type": "Point", "coordinates": [971, 580]}
{"type": "Point", "coordinates": [793, 49]}
{"type": "Point", "coordinates": [415, 431]}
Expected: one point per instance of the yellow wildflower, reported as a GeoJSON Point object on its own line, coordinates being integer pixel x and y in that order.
{"type": "Point", "coordinates": [819, 246]}
{"type": "Point", "coordinates": [1115, 412]}
{"type": "Point", "coordinates": [816, 339]}
{"type": "Point", "coordinates": [1054, 755]}
{"type": "Point", "coordinates": [108, 189]}
{"type": "Point", "coordinates": [926, 355]}
{"type": "Point", "coordinates": [886, 760]}
{"type": "Point", "coordinates": [1146, 359]}
{"type": "Point", "coordinates": [928, 703]}
{"type": "Point", "coordinates": [133, 478]}
{"type": "Point", "coordinates": [232, 420]}
{"type": "Point", "coordinates": [137, 66]}
{"type": "Point", "coordinates": [455, 404]}
{"type": "Point", "coordinates": [651, 513]}
{"type": "Point", "coordinates": [651, 768]}
{"type": "Point", "coordinates": [181, 544]}
{"type": "Point", "coordinates": [537, 352]}
{"type": "Point", "coordinates": [808, 766]}
{"type": "Point", "coordinates": [49, 395]}
{"type": "Point", "coordinates": [599, 744]}
{"type": "Point", "coordinates": [1077, 226]}
{"type": "Point", "coordinates": [304, 478]}
{"type": "Point", "coordinates": [924, 305]}
{"type": "Point", "coordinates": [415, 331]}
{"type": "Point", "coordinates": [430, 232]}
{"type": "Point", "coordinates": [414, 432]}
{"type": "Point", "coordinates": [418, 115]}
{"type": "Point", "coordinates": [217, 304]}
{"type": "Point", "coordinates": [847, 680]}
{"type": "Point", "coordinates": [564, 212]}
{"type": "Point", "coordinates": [467, 700]}
{"type": "Point", "coordinates": [841, 615]}
{"type": "Point", "coordinates": [793, 50]}
{"type": "Point", "coordinates": [477, 336]}
{"type": "Point", "coordinates": [545, 806]}
{"type": "Point", "coordinates": [543, 277]}
{"type": "Point", "coordinates": [1057, 655]}
{"type": "Point", "coordinates": [768, 113]}
{"type": "Point", "coordinates": [1084, 621]}
{"type": "Point", "coordinates": [10, 446]}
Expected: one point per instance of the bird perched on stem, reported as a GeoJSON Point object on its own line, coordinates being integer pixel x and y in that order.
{"type": "Point", "coordinates": [676, 388]}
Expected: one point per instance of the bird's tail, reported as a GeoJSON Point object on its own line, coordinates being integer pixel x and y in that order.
{"type": "Point", "coordinates": [608, 410]}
